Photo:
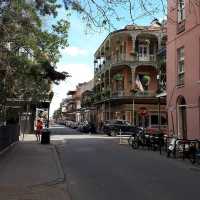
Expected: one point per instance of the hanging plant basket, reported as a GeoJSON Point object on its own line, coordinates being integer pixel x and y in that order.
{"type": "Point", "coordinates": [118, 77]}
{"type": "Point", "coordinates": [146, 79]}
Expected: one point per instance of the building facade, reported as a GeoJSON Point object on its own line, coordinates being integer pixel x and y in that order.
{"type": "Point", "coordinates": [126, 76]}
{"type": "Point", "coordinates": [72, 107]}
{"type": "Point", "coordinates": [183, 68]}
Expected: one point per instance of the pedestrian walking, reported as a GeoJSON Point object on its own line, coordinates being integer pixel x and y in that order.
{"type": "Point", "coordinates": [39, 127]}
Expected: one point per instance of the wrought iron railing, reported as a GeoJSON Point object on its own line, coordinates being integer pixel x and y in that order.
{"type": "Point", "coordinates": [146, 93]}
{"type": "Point", "coordinates": [8, 135]}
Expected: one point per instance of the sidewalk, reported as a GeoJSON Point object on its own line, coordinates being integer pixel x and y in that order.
{"type": "Point", "coordinates": [31, 171]}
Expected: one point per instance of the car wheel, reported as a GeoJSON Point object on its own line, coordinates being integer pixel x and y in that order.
{"type": "Point", "coordinates": [113, 133]}
{"type": "Point", "coordinates": [130, 140]}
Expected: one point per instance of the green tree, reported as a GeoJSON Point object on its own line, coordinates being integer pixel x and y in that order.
{"type": "Point", "coordinates": [28, 54]}
{"type": "Point", "coordinates": [57, 114]}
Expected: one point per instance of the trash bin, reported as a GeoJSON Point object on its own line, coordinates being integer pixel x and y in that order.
{"type": "Point", "coordinates": [45, 139]}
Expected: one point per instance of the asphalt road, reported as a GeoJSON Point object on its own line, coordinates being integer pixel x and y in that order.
{"type": "Point", "coordinates": [57, 129]}
{"type": "Point", "coordinates": [101, 169]}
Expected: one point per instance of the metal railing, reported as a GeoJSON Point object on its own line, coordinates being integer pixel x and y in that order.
{"type": "Point", "coordinates": [147, 93]}
{"type": "Point", "coordinates": [148, 57]}
{"type": "Point", "coordinates": [125, 58]}
{"type": "Point", "coordinates": [8, 135]}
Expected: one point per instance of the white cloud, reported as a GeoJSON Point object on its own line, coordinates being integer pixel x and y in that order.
{"type": "Point", "coordinates": [74, 51]}
{"type": "Point", "coordinates": [79, 72]}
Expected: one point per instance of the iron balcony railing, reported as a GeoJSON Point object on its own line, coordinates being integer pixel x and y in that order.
{"type": "Point", "coordinates": [125, 58]}
{"type": "Point", "coordinates": [118, 93]}
{"type": "Point", "coordinates": [121, 93]}
{"type": "Point", "coordinates": [135, 57]}
{"type": "Point", "coordinates": [146, 93]}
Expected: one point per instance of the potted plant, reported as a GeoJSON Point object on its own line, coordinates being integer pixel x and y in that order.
{"type": "Point", "coordinates": [145, 81]}
{"type": "Point", "coordinates": [118, 77]}
{"type": "Point", "coordinates": [134, 54]}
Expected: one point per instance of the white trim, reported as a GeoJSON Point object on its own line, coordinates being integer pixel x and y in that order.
{"type": "Point", "coordinates": [163, 94]}
{"type": "Point", "coordinates": [189, 106]}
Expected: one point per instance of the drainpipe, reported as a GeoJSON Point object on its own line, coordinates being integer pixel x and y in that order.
{"type": "Point", "coordinates": [159, 117]}
{"type": "Point", "coordinates": [133, 111]}
{"type": "Point", "coordinates": [48, 117]}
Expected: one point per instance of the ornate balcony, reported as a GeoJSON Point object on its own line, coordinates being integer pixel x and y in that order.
{"type": "Point", "coordinates": [146, 93]}
{"type": "Point", "coordinates": [118, 93]}
{"type": "Point", "coordinates": [128, 59]}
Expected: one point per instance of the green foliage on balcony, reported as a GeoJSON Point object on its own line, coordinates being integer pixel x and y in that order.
{"type": "Point", "coordinates": [145, 93]}
{"type": "Point", "coordinates": [106, 93]}
{"type": "Point", "coordinates": [97, 97]}
{"type": "Point", "coordinates": [145, 81]}
{"type": "Point", "coordinates": [118, 77]}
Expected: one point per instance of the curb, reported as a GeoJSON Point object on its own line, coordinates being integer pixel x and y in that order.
{"type": "Point", "coordinates": [8, 147]}
{"type": "Point", "coordinates": [58, 164]}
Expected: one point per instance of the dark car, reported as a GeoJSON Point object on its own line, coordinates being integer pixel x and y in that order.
{"type": "Point", "coordinates": [87, 127]}
{"type": "Point", "coordinates": [115, 127]}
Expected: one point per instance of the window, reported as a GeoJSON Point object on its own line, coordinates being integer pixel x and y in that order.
{"type": "Point", "coordinates": [154, 120]}
{"type": "Point", "coordinates": [181, 70]}
{"type": "Point", "coordinates": [181, 10]}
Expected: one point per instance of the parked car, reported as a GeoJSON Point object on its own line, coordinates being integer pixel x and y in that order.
{"type": "Point", "coordinates": [87, 127]}
{"type": "Point", "coordinates": [115, 127]}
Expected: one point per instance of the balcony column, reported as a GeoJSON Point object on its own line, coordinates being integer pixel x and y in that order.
{"type": "Point", "coordinates": [159, 42]}
{"type": "Point", "coordinates": [104, 84]}
{"type": "Point", "coordinates": [133, 115]}
{"type": "Point", "coordinates": [109, 82]}
{"type": "Point", "coordinates": [100, 86]}
{"type": "Point", "coordinates": [133, 87]}
{"type": "Point", "coordinates": [125, 82]}
{"type": "Point", "coordinates": [133, 43]}
{"type": "Point", "coordinates": [133, 77]}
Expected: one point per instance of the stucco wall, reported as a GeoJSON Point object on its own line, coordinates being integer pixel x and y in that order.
{"type": "Point", "coordinates": [190, 39]}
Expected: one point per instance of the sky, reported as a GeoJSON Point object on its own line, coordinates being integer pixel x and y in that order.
{"type": "Point", "coordinates": [77, 58]}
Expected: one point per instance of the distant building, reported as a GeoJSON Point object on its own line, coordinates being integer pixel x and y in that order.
{"type": "Point", "coordinates": [72, 106]}
{"type": "Point", "coordinates": [88, 109]}
{"type": "Point", "coordinates": [183, 68]}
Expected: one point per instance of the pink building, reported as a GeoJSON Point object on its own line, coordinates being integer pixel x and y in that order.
{"type": "Point", "coordinates": [183, 68]}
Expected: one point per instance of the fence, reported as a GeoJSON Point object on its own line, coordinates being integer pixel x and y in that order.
{"type": "Point", "coordinates": [8, 135]}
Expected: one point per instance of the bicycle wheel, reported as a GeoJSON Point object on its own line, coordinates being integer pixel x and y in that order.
{"type": "Point", "coordinates": [134, 144]}
{"type": "Point", "coordinates": [130, 140]}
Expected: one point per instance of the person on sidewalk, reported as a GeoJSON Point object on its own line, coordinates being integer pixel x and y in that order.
{"type": "Point", "coordinates": [39, 127]}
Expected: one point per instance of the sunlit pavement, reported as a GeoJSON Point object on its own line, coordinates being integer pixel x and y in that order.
{"type": "Point", "coordinates": [61, 132]}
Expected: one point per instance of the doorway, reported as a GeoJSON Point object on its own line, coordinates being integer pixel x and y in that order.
{"type": "Point", "coordinates": [182, 117]}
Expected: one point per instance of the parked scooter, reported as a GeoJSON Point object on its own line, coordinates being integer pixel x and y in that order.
{"type": "Point", "coordinates": [153, 142]}
{"type": "Point", "coordinates": [171, 148]}
{"type": "Point", "coordinates": [134, 135]}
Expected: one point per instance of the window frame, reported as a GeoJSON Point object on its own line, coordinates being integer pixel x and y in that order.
{"type": "Point", "coordinates": [180, 10]}
{"type": "Point", "coordinates": [180, 66]}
